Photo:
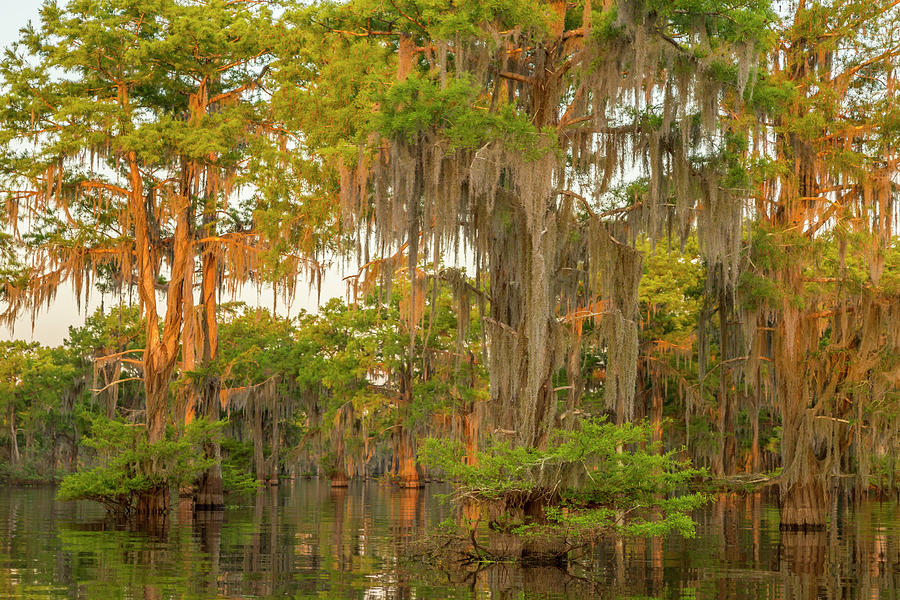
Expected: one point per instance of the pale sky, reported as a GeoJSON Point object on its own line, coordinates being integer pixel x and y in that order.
{"type": "Point", "coordinates": [52, 324]}
{"type": "Point", "coordinates": [14, 15]}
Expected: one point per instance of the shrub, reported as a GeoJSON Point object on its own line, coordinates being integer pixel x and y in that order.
{"type": "Point", "coordinates": [133, 466]}
{"type": "Point", "coordinates": [598, 479]}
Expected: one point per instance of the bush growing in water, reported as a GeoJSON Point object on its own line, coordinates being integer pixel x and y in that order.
{"type": "Point", "coordinates": [598, 479]}
{"type": "Point", "coordinates": [123, 477]}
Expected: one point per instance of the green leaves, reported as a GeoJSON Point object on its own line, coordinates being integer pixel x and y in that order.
{"type": "Point", "coordinates": [104, 100]}
{"type": "Point", "coordinates": [124, 476]}
{"type": "Point", "coordinates": [34, 380]}
{"type": "Point", "coordinates": [604, 472]}
{"type": "Point", "coordinates": [670, 291]}
{"type": "Point", "coordinates": [423, 105]}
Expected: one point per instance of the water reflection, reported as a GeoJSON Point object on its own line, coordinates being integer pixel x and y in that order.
{"type": "Point", "coordinates": [306, 539]}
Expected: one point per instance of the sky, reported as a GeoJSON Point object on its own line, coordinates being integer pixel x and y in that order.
{"type": "Point", "coordinates": [52, 324]}
{"type": "Point", "coordinates": [16, 13]}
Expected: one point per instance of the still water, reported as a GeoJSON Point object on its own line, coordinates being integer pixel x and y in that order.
{"type": "Point", "coordinates": [305, 540]}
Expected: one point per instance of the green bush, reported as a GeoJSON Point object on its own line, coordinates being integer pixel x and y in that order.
{"type": "Point", "coordinates": [598, 479]}
{"type": "Point", "coordinates": [126, 473]}
{"type": "Point", "coordinates": [236, 467]}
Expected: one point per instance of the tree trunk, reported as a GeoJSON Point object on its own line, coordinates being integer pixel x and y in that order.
{"type": "Point", "coordinates": [753, 464]}
{"type": "Point", "coordinates": [804, 499]}
{"type": "Point", "coordinates": [13, 437]}
{"type": "Point", "coordinates": [210, 493]}
{"type": "Point", "coordinates": [408, 472]}
{"type": "Point", "coordinates": [259, 463]}
{"type": "Point", "coordinates": [470, 433]}
{"type": "Point", "coordinates": [73, 451]}
{"type": "Point", "coordinates": [112, 398]}
{"type": "Point", "coordinates": [522, 355]}
{"type": "Point", "coordinates": [656, 412]}
{"type": "Point", "coordinates": [804, 506]}
{"type": "Point", "coordinates": [54, 451]}
{"type": "Point", "coordinates": [404, 439]}
{"type": "Point", "coordinates": [539, 550]}
{"type": "Point", "coordinates": [161, 351]}
{"type": "Point", "coordinates": [273, 464]}
{"type": "Point", "coordinates": [156, 501]}
{"type": "Point", "coordinates": [725, 463]}
{"type": "Point", "coordinates": [339, 478]}
{"type": "Point", "coordinates": [29, 441]}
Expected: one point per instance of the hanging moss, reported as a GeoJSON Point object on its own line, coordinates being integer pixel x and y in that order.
{"type": "Point", "coordinates": [507, 142]}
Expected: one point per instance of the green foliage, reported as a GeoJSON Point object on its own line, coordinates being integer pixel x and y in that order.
{"type": "Point", "coordinates": [237, 478]}
{"type": "Point", "coordinates": [421, 104]}
{"type": "Point", "coordinates": [307, 99]}
{"type": "Point", "coordinates": [38, 387]}
{"type": "Point", "coordinates": [354, 360]}
{"type": "Point", "coordinates": [729, 21]}
{"type": "Point", "coordinates": [124, 476]}
{"type": "Point", "coordinates": [610, 478]}
{"type": "Point", "coordinates": [885, 472]}
{"type": "Point", "coordinates": [115, 329]}
{"type": "Point", "coordinates": [237, 481]}
{"type": "Point", "coordinates": [671, 290]}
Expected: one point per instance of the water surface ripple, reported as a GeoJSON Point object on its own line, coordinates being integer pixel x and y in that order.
{"type": "Point", "coordinates": [305, 540]}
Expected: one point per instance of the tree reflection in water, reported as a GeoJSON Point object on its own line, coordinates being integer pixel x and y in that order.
{"type": "Point", "coordinates": [307, 539]}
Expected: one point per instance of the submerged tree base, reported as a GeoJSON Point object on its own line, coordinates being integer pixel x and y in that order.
{"type": "Point", "coordinates": [804, 507]}
{"type": "Point", "coordinates": [210, 493]}
{"type": "Point", "coordinates": [462, 548]}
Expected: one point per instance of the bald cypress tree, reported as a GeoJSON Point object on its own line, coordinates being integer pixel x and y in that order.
{"type": "Point", "coordinates": [124, 129]}
{"type": "Point", "coordinates": [822, 305]}
{"type": "Point", "coordinates": [500, 130]}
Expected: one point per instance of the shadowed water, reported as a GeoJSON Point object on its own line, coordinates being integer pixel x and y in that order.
{"type": "Point", "coordinates": [305, 540]}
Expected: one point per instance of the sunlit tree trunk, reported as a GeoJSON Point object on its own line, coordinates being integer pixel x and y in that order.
{"type": "Point", "coordinates": [753, 462]}
{"type": "Point", "coordinates": [804, 503]}
{"type": "Point", "coordinates": [210, 493]}
{"type": "Point", "coordinates": [404, 440]}
{"type": "Point", "coordinates": [161, 350]}
{"type": "Point", "coordinates": [259, 461]}
{"type": "Point", "coordinates": [656, 413]}
{"type": "Point", "coordinates": [803, 492]}
{"type": "Point", "coordinates": [272, 469]}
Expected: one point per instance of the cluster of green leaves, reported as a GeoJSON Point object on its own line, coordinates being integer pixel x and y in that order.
{"type": "Point", "coordinates": [34, 383]}
{"type": "Point", "coordinates": [422, 103]}
{"type": "Point", "coordinates": [123, 477]}
{"type": "Point", "coordinates": [338, 356]}
{"type": "Point", "coordinates": [619, 480]}
{"type": "Point", "coordinates": [114, 329]}
{"type": "Point", "coordinates": [254, 346]}
{"type": "Point", "coordinates": [359, 356]}
{"type": "Point", "coordinates": [671, 290]}
{"type": "Point", "coordinates": [726, 21]}
{"type": "Point", "coordinates": [236, 457]}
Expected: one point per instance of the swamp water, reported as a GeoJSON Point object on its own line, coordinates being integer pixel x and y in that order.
{"type": "Point", "coordinates": [305, 540]}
